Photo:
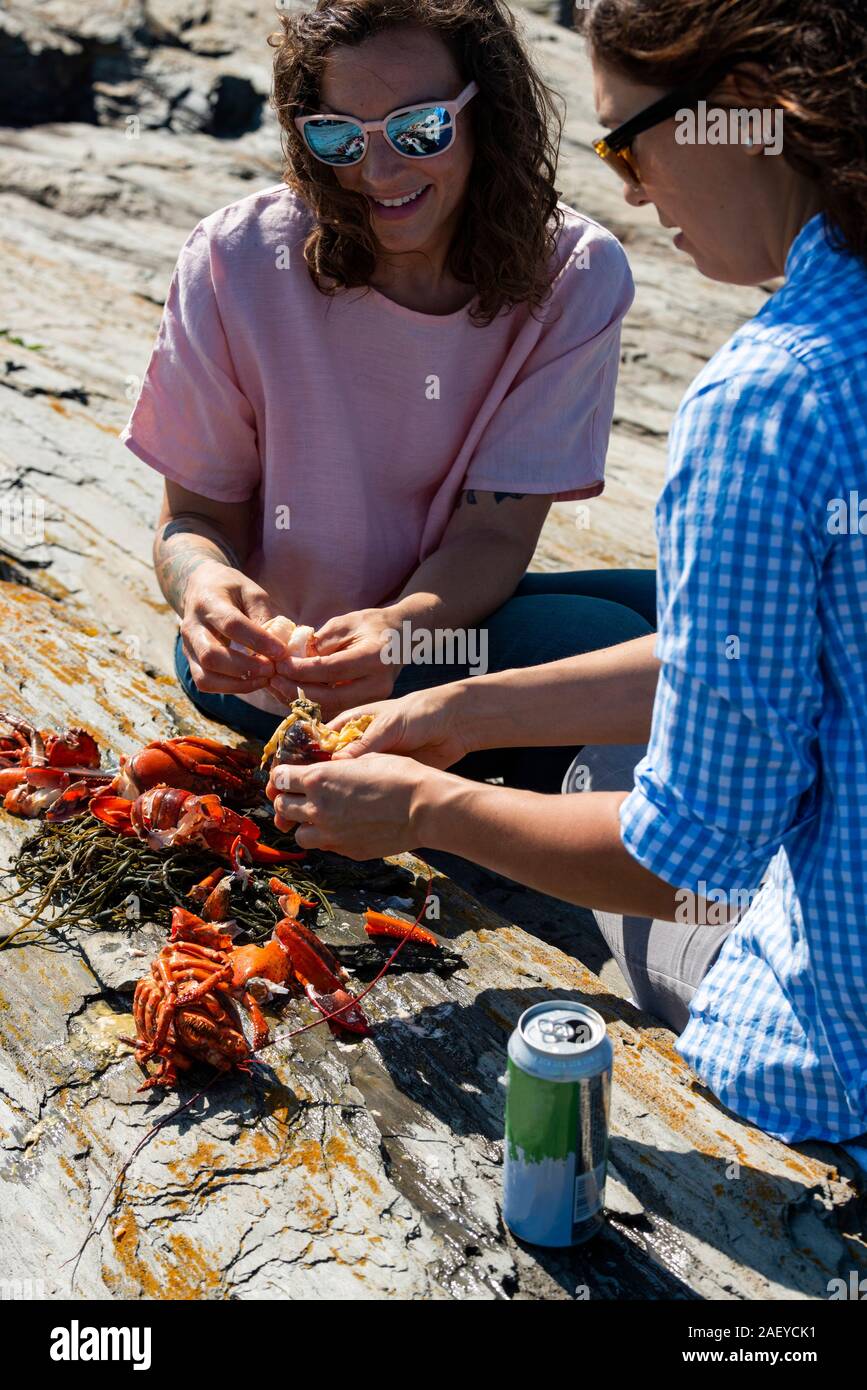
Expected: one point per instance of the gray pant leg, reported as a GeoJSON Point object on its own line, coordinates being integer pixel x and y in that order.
{"type": "Point", "coordinates": [663, 962]}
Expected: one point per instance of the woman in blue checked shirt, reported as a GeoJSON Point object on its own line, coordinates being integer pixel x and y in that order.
{"type": "Point", "coordinates": [729, 869]}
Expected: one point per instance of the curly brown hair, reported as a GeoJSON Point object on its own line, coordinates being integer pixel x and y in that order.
{"type": "Point", "coordinates": [815, 58]}
{"type": "Point", "coordinates": [509, 228]}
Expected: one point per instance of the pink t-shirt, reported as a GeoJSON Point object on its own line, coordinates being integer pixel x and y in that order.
{"type": "Point", "coordinates": [353, 422]}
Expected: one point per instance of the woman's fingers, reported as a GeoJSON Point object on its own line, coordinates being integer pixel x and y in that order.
{"type": "Point", "coordinates": [288, 778]}
{"type": "Point", "coordinates": [310, 837]}
{"type": "Point", "coordinates": [286, 785]}
{"type": "Point", "coordinates": [212, 684]}
{"type": "Point", "coordinates": [327, 670]}
{"type": "Point", "coordinates": [374, 707]}
{"type": "Point", "coordinates": [285, 788]}
{"type": "Point", "coordinates": [233, 608]}
{"type": "Point", "coordinates": [285, 690]}
{"type": "Point", "coordinates": [217, 660]}
{"type": "Point", "coordinates": [286, 687]}
{"type": "Point", "coordinates": [290, 811]}
{"type": "Point", "coordinates": [375, 736]}
{"type": "Point", "coordinates": [230, 652]}
{"type": "Point", "coordinates": [334, 634]}
{"type": "Point", "coordinates": [362, 810]}
{"type": "Point", "coordinates": [231, 623]}
{"type": "Point", "coordinates": [319, 694]}
{"type": "Point", "coordinates": [382, 736]}
{"type": "Point", "coordinates": [217, 669]}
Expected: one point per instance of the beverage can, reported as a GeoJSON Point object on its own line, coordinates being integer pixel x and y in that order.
{"type": "Point", "coordinates": [560, 1061]}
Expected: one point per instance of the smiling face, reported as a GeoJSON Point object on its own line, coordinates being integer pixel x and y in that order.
{"type": "Point", "coordinates": [735, 210]}
{"type": "Point", "coordinates": [415, 204]}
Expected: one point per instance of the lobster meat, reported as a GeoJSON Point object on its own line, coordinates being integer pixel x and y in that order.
{"type": "Point", "coordinates": [303, 738]}
{"type": "Point", "coordinates": [170, 816]}
{"type": "Point", "coordinates": [298, 639]}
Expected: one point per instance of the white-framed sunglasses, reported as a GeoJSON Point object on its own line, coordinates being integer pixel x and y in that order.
{"type": "Point", "coordinates": [416, 132]}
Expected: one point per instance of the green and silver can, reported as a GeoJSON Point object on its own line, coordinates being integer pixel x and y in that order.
{"type": "Point", "coordinates": [559, 1086]}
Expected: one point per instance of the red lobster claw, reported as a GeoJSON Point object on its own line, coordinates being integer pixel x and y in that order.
{"type": "Point", "coordinates": [321, 976]}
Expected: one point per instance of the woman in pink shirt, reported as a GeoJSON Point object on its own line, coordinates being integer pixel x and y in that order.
{"type": "Point", "coordinates": [371, 381]}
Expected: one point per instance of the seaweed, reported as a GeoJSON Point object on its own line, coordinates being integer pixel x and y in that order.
{"type": "Point", "coordinates": [87, 875]}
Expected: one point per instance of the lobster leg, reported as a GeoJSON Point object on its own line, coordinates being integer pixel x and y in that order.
{"type": "Point", "coordinates": [266, 854]}
{"type": "Point", "coordinates": [174, 1000]}
{"type": "Point", "coordinates": [380, 924]}
{"type": "Point", "coordinates": [202, 890]}
{"type": "Point", "coordinates": [167, 1070]}
{"type": "Point", "coordinates": [261, 1031]}
{"type": "Point", "coordinates": [162, 1022]}
{"type": "Point", "coordinates": [193, 993]}
{"type": "Point", "coordinates": [230, 780]}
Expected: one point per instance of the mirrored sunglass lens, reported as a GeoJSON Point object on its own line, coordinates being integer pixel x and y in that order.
{"type": "Point", "coordinates": [424, 131]}
{"type": "Point", "coordinates": [335, 142]}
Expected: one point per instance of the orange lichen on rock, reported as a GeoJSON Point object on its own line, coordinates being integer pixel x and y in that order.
{"type": "Point", "coordinates": [191, 1274]}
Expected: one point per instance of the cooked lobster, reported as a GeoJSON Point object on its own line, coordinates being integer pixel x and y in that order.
{"type": "Point", "coordinates": [192, 1003]}
{"type": "Point", "coordinates": [303, 738]}
{"type": "Point", "coordinates": [170, 816]}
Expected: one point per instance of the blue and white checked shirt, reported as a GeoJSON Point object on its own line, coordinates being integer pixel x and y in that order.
{"type": "Point", "coordinates": [756, 771]}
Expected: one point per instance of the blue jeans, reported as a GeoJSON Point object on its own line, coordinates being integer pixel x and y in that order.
{"type": "Point", "coordinates": [549, 616]}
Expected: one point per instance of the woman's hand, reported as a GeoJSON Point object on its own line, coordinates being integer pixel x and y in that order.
{"type": "Point", "coordinates": [429, 725]}
{"type": "Point", "coordinates": [349, 667]}
{"type": "Point", "coordinates": [221, 606]}
{"type": "Point", "coordinates": [363, 809]}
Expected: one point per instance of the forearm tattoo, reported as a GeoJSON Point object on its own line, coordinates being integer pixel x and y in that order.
{"type": "Point", "coordinates": [180, 547]}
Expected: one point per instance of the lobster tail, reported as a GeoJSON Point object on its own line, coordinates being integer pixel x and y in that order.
{"type": "Point", "coordinates": [114, 812]}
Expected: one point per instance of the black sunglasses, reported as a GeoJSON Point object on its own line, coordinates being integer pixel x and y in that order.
{"type": "Point", "coordinates": [615, 148]}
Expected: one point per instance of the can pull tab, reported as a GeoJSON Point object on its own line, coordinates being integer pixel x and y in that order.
{"type": "Point", "coordinates": [565, 1030]}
